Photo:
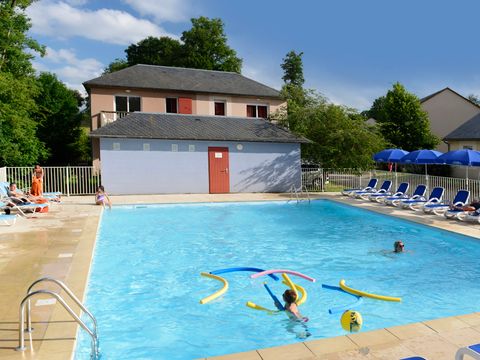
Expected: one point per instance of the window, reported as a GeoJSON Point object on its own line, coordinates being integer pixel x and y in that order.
{"type": "Point", "coordinates": [171, 105]}
{"type": "Point", "coordinates": [260, 111]}
{"type": "Point", "coordinates": [191, 148]}
{"type": "Point", "coordinates": [467, 147]}
{"type": "Point", "coordinates": [127, 103]}
{"type": "Point", "coordinates": [146, 147]}
{"type": "Point", "coordinates": [220, 108]}
{"type": "Point", "coordinates": [116, 146]}
{"type": "Point", "coordinates": [174, 147]}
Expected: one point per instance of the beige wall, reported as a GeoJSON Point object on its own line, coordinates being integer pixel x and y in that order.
{"type": "Point", "coordinates": [447, 111]}
{"type": "Point", "coordinates": [154, 101]}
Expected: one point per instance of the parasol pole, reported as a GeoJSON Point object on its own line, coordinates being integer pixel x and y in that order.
{"type": "Point", "coordinates": [467, 177]}
{"type": "Point", "coordinates": [396, 178]}
{"type": "Point", "coordinates": [426, 177]}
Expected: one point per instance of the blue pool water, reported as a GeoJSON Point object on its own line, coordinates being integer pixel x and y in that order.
{"type": "Point", "coordinates": [145, 285]}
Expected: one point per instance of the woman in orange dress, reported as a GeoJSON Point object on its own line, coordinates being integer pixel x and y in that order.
{"type": "Point", "coordinates": [37, 181]}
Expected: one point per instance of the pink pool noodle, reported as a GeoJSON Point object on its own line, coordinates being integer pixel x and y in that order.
{"type": "Point", "coordinates": [275, 271]}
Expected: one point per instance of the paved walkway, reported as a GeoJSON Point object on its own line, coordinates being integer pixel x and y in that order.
{"type": "Point", "coordinates": [60, 244]}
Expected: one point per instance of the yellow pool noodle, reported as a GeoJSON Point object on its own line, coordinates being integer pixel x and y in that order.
{"type": "Point", "coordinates": [218, 293]}
{"type": "Point", "coordinates": [365, 294]}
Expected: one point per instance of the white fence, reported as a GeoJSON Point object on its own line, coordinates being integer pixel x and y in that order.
{"type": "Point", "coordinates": [337, 179]}
{"type": "Point", "coordinates": [70, 180]}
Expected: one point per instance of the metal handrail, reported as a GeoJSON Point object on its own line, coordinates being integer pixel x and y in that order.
{"type": "Point", "coordinates": [21, 321]}
{"type": "Point", "coordinates": [69, 293]}
{"type": "Point", "coordinates": [306, 192]}
{"type": "Point", "coordinates": [293, 190]}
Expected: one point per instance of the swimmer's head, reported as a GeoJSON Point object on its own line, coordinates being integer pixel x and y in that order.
{"type": "Point", "coordinates": [289, 296]}
{"type": "Point", "coordinates": [398, 246]}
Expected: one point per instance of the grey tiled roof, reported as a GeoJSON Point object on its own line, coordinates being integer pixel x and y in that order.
{"type": "Point", "coordinates": [469, 130]}
{"type": "Point", "coordinates": [182, 79]}
{"type": "Point", "coordinates": [141, 125]}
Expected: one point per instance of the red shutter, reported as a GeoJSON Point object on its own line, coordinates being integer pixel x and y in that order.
{"type": "Point", "coordinates": [184, 106]}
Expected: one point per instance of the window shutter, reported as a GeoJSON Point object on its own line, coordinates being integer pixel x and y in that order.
{"type": "Point", "coordinates": [185, 106]}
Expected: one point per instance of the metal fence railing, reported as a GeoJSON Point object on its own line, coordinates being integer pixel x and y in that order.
{"type": "Point", "coordinates": [70, 180]}
{"type": "Point", "coordinates": [319, 179]}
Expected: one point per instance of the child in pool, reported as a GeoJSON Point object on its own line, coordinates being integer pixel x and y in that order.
{"type": "Point", "coordinates": [289, 296]}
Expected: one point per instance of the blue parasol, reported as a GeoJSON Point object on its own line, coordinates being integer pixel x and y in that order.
{"type": "Point", "coordinates": [464, 157]}
{"type": "Point", "coordinates": [390, 155]}
{"type": "Point", "coordinates": [422, 157]}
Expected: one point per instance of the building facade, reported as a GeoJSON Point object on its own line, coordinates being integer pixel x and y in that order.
{"type": "Point", "coordinates": [162, 89]}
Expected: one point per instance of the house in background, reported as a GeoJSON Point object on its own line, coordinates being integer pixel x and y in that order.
{"type": "Point", "coordinates": [447, 110]}
{"type": "Point", "coordinates": [163, 89]}
{"type": "Point", "coordinates": [158, 129]}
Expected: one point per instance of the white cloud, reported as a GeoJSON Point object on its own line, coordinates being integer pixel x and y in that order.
{"type": "Point", "coordinates": [162, 10]}
{"type": "Point", "coordinates": [60, 20]}
{"type": "Point", "coordinates": [69, 68]}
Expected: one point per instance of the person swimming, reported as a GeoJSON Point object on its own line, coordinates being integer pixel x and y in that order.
{"type": "Point", "coordinates": [290, 298]}
{"type": "Point", "coordinates": [398, 246]}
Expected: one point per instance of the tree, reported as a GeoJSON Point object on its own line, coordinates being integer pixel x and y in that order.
{"type": "Point", "coordinates": [204, 46]}
{"type": "Point", "coordinates": [115, 65]}
{"type": "Point", "coordinates": [14, 40]}
{"type": "Point", "coordinates": [293, 69]}
{"type": "Point", "coordinates": [402, 121]}
{"type": "Point", "coordinates": [19, 145]}
{"type": "Point", "coordinates": [340, 136]}
{"type": "Point", "coordinates": [155, 51]}
{"type": "Point", "coordinates": [292, 90]}
{"type": "Point", "coordinates": [474, 98]}
{"type": "Point", "coordinates": [58, 119]}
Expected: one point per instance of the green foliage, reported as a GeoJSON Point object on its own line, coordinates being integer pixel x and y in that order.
{"type": "Point", "coordinates": [14, 40]}
{"type": "Point", "coordinates": [58, 119]}
{"type": "Point", "coordinates": [340, 136]}
{"type": "Point", "coordinates": [293, 69]}
{"type": "Point", "coordinates": [19, 145]}
{"type": "Point", "coordinates": [117, 64]}
{"type": "Point", "coordinates": [204, 46]}
{"type": "Point", "coordinates": [158, 51]}
{"type": "Point", "coordinates": [402, 121]}
{"type": "Point", "coordinates": [474, 98]}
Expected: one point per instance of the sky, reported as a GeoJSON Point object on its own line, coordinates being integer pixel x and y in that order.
{"type": "Point", "coordinates": [353, 51]}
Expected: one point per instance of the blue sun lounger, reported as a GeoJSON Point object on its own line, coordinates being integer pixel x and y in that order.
{"type": "Point", "coordinates": [460, 200]}
{"type": "Point", "coordinates": [473, 351]}
{"type": "Point", "coordinates": [402, 189]}
{"type": "Point", "coordinates": [384, 189]}
{"type": "Point", "coordinates": [416, 205]}
{"type": "Point", "coordinates": [414, 358]}
{"type": "Point", "coordinates": [396, 200]}
{"type": "Point", "coordinates": [371, 185]}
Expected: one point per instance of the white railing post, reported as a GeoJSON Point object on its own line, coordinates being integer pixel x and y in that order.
{"type": "Point", "coordinates": [68, 181]}
{"type": "Point", "coordinates": [3, 174]}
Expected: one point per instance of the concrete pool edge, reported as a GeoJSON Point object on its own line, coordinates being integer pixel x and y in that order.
{"type": "Point", "coordinates": [367, 344]}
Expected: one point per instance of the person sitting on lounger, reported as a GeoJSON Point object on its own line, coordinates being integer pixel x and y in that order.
{"type": "Point", "coordinates": [472, 207]}
{"type": "Point", "coordinates": [16, 196]}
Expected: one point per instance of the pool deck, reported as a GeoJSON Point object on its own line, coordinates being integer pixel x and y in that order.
{"type": "Point", "coordinates": [60, 244]}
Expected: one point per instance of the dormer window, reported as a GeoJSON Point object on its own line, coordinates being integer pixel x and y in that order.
{"type": "Point", "coordinates": [259, 111]}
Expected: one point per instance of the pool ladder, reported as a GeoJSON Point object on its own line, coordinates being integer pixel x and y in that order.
{"type": "Point", "coordinates": [26, 303]}
{"type": "Point", "coordinates": [294, 193]}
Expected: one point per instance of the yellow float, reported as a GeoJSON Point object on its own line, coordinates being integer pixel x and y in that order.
{"type": "Point", "coordinates": [218, 293]}
{"type": "Point", "coordinates": [365, 294]}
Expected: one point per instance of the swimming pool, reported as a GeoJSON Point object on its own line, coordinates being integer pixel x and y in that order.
{"type": "Point", "coordinates": [145, 284]}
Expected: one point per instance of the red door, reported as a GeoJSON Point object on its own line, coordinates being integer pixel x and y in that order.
{"type": "Point", "coordinates": [184, 106]}
{"type": "Point", "coordinates": [218, 170]}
